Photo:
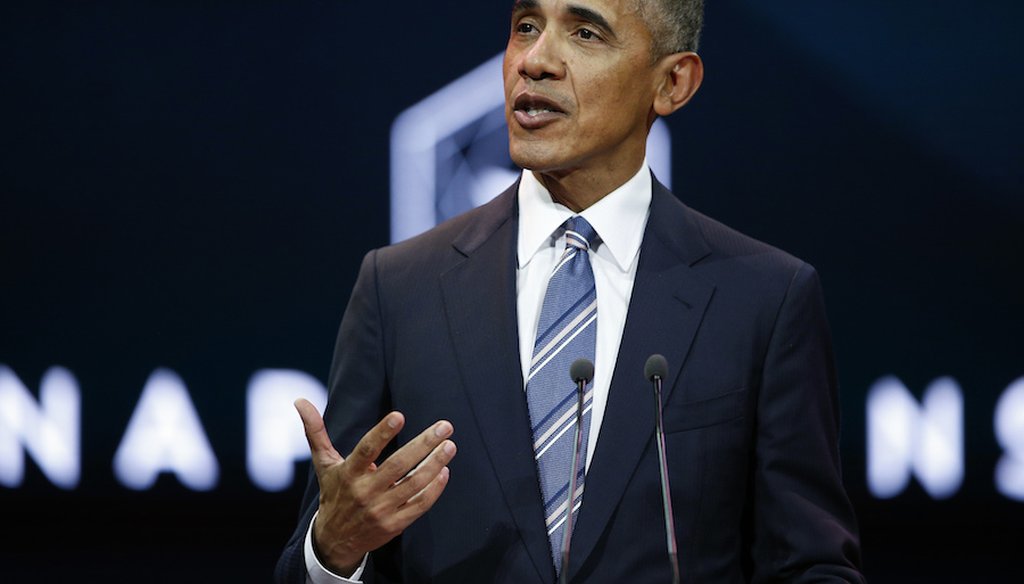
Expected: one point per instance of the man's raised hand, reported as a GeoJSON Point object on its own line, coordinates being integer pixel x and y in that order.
{"type": "Point", "coordinates": [362, 505]}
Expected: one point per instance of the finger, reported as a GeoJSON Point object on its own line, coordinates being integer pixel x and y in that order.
{"type": "Point", "coordinates": [373, 442]}
{"type": "Point", "coordinates": [424, 500]}
{"type": "Point", "coordinates": [422, 475]}
{"type": "Point", "coordinates": [407, 457]}
{"type": "Point", "coordinates": [320, 447]}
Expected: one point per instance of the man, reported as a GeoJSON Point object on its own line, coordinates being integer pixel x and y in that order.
{"type": "Point", "coordinates": [453, 331]}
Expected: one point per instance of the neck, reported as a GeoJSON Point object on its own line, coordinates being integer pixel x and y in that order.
{"type": "Point", "coordinates": [578, 189]}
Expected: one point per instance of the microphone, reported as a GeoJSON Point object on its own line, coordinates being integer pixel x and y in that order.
{"type": "Point", "coordinates": [656, 370]}
{"type": "Point", "coordinates": [581, 371]}
{"type": "Point", "coordinates": [656, 367]}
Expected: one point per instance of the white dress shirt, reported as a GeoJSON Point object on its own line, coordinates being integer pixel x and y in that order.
{"type": "Point", "coordinates": [619, 219]}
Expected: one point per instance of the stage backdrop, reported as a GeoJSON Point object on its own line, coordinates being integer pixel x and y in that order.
{"type": "Point", "coordinates": [187, 188]}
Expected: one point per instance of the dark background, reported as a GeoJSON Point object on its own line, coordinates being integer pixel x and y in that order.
{"type": "Point", "coordinates": [192, 185]}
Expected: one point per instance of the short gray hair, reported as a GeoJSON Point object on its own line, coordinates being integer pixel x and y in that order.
{"type": "Point", "coordinates": [674, 24]}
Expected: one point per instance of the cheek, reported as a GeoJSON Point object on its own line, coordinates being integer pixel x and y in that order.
{"type": "Point", "coordinates": [611, 108]}
{"type": "Point", "coordinates": [510, 70]}
{"type": "Point", "coordinates": [509, 84]}
{"type": "Point", "coordinates": [612, 91]}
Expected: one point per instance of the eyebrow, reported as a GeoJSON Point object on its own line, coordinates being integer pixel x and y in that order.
{"type": "Point", "coordinates": [590, 16]}
{"type": "Point", "coordinates": [581, 12]}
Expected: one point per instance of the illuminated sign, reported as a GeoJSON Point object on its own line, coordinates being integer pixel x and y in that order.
{"type": "Point", "coordinates": [164, 434]}
{"type": "Point", "coordinates": [905, 438]}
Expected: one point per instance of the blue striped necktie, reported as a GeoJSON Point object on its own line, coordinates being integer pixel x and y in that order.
{"type": "Point", "coordinates": [567, 331]}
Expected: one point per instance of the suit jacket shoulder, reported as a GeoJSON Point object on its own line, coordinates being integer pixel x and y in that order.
{"type": "Point", "coordinates": [732, 262]}
{"type": "Point", "coordinates": [463, 234]}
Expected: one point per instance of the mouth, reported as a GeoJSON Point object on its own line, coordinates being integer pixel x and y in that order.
{"type": "Point", "coordinates": [534, 111]}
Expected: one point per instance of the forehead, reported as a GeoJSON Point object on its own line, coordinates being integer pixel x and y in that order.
{"type": "Point", "coordinates": [610, 9]}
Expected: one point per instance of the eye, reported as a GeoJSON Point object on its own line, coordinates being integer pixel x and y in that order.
{"type": "Point", "coordinates": [525, 28]}
{"type": "Point", "coordinates": [587, 34]}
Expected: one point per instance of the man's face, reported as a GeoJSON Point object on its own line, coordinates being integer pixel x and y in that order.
{"type": "Point", "coordinates": [579, 85]}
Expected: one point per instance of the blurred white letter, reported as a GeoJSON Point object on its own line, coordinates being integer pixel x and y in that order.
{"type": "Point", "coordinates": [1009, 426]}
{"type": "Point", "coordinates": [49, 430]}
{"type": "Point", "coordinates": [275, 439]}
{"type": "Point", "coordinates": [905, 437]}
{"type": "Point", "coordinates": [165, 435]}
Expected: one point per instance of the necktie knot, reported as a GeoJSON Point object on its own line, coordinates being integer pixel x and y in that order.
{"type": "Point", "coordinates": [579, 233]}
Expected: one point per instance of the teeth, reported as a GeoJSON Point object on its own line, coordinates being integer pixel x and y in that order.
{"type": "Point", "coordinates": [535, 111]}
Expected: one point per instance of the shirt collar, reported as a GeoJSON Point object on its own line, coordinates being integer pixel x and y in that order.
{"type": "Point", "coordinates": [618, 218]}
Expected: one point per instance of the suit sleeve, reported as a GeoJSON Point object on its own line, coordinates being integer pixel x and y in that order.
{"type": "Point", "coordinates": [804, 526]}
{"type": "Point", "coordinates": [358, 398]}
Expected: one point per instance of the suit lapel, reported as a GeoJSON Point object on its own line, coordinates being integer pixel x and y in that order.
{"type": "Point", "coordinates": [665, 311]}
{"type": "Point", "coordinates": [484, 331]}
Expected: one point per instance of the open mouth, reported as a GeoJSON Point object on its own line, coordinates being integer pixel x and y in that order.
{"type": "Point", "coordinates": [534, 104]}
{"type": "Point", "coordinates": [536, 111]}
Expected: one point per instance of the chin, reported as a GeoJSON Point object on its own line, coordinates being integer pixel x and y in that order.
{"type": "Point", "coordinates": [532, 157]}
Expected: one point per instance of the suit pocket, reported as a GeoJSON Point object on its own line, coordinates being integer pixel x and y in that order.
{"type": "Point", "coordinates": [706, 412]}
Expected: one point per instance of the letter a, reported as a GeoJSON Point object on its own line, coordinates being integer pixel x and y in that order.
{"type": "Point", "coordinates": [165, 435]}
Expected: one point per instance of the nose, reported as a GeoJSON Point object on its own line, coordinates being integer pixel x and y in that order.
{"type": "Point", "coordinates": [543, 58]}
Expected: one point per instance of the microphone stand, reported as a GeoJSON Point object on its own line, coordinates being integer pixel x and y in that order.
{"type": "Point", "coordinates": [670, 528]}
{"type": "Point", "coordinates": [581, 380]}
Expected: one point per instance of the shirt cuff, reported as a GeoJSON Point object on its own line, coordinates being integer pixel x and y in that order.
{"type": "Point", "coordinates": [316, 573]}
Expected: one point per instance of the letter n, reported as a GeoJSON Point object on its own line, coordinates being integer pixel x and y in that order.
{"type": "Point", "coordinates": [907, 438]}
{"type": "Point", "coordinates": [48, 429]}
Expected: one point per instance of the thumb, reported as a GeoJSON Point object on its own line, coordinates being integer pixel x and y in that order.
{"type": "Point", "coordinates": [320, 447]}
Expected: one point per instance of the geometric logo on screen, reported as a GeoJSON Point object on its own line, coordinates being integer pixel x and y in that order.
{"type": "Point", "coordinates": [449, 152]}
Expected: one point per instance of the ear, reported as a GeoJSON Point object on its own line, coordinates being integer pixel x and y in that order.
{"type": "Point", "coordinates": [679, 75]}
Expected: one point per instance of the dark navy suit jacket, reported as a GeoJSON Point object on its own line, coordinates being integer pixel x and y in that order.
{"type": "Point", "coordinates": [750, 411]}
